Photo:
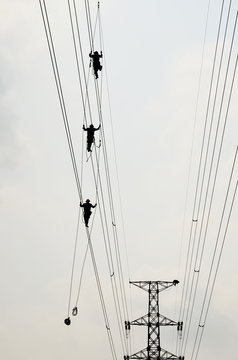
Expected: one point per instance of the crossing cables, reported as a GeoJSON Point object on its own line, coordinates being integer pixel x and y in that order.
{"type": "Point", "coordinates": [53, 58]}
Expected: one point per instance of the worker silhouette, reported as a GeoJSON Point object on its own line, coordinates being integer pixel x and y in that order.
{"type": "Point", "coordinates": [87, 210]}
{"type": "Point", "coordinates": [90, 135]}
{"type": "Point", "coordinates": [96, 62]}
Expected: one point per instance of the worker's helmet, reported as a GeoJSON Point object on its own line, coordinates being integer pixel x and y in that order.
{"type": "Point", "coordinates": [95, 52]}
{"type": "Point", "coordinates": [87, 201]}
{"type": "Point", "coordinates": [91, 126]}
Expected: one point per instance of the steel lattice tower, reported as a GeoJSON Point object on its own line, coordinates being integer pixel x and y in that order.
{"type": "Point", "coordinates": [153, 320]}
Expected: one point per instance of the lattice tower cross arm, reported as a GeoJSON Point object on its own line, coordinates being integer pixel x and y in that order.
{"type": "Point", "coordinates": [152, 321]}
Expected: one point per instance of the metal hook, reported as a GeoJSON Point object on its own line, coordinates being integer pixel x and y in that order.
{"type": "Point", "coordinates": [75, 311]}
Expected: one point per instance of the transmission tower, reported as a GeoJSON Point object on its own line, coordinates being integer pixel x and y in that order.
{"type": "Point", "coordinates": [153, 320]}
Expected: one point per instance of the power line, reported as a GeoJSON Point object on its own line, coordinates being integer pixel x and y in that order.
{"type": "Point", "coordinates": [213, 258]}
{"type": "Point", "coordinates": [185, 282]}
{"type": "Point", "coordinates": [59, 91]}
{"type": "Point", "coordinates": [64, 114]}
{"type": "Point", "coordinates": [98, 102]}
{"type": "Point", "coordinates": [209, 175]}
{"type": "Point", "coordinates": [101, 297]}
{"type": "Point", "coordinates": [192, 144]}
{"type": "Point", "coordinates": [107, 169]}
{"type": "Point", "coordinates": [217, 166]}
{"type": "Point", "coordinates": [113, 141]}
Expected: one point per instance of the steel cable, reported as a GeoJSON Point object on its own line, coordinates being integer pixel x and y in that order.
{"type": "Point", "coordinates": [211, 166]}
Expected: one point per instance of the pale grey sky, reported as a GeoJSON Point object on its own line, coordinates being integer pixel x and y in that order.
{"type": "Point", "coordinates": [153, 52]}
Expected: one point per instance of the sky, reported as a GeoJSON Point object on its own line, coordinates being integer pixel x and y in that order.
{"type": "Point", "coordinates": [157, 66]}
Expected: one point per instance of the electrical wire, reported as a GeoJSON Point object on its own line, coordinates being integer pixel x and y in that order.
{"type": "Point", "coordinates": [214, 181]}
{"type": "Point", "coordinates": [105, 152]}
{"type": "Point", "coordinates": [64, 114]}
{"type": "Point", "coordinates": [91, 40]}
{"type": "Point", "coordinates": [109, 333]}
{"type": "Point", "coordinates": [213, 258]}
{"type": "Point", "coordinates": [109, 256]}
{"type": "Point", "coordinates": [59, 91]}
{"type": "Point", "coordinates": [191, 153]}
{"type": "Point", "coordinates": [198, 265]}
{"type": "Point", "coordinates": [118, 260]}
{"type": "Point", "coordinates": [186, 282]}
{"type": "Point", "coordinates": [210, 171]}
{"type": "Point", "coordinates": [114, 146]}
{"type": "Point", "coordinates": [86, 251]}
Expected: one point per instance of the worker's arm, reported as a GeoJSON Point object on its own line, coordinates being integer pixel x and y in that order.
{"type": "Point", "coordinates": [97, 127]}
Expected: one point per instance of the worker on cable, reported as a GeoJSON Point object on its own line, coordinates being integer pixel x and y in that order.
{"type": "Point", "coordinates": [90, 135]}
{"type": "Point", "coordinates": [87, 210]}
{"type": "Point", "coordinates": [96, 62]}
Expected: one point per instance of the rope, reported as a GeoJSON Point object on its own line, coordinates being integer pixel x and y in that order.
{"type": "Point", "coordinates": [73, 266]}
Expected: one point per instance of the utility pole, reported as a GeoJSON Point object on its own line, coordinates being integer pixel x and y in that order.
{"type": "Point", "coordinates": [153, 320]}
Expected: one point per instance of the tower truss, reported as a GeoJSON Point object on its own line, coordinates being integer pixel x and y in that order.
{"type": "Point", "coordinates": [153, 320]}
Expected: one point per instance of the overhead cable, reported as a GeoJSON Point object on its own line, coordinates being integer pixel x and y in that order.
{"type": "Point", "coordinates": [186, 281]}
{"type": "Point", "coordinates": [209, 175]}
{"type": "Point", "coordinates": [202, 320]}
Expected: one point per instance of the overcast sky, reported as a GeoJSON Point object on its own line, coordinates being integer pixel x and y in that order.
{"type": "Point", "coordinates": [156, 57]}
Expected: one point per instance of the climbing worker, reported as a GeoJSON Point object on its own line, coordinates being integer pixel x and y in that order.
{"type": "Point", "coordinates": [90, 135]}
{"type": "Point", "coordinates": [87, 210]}
{"type": "Point", "coordinates": [96, 62]}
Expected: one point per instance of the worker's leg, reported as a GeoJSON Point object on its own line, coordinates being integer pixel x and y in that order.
{"type": "Point", "coordinates": [86, 217]}
{"type": "Point", "coordinates": [89, 144]}
{"type": "Point", "coordinates": [95, 68]}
